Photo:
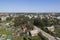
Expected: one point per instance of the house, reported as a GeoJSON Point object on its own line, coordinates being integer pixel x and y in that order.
{"type": "Point", "coordinates": [58, 17]}
{"type": "Point", "coordinates": [24, 27]}
{"type": "Point", "coordinates": [8, 37]}
{"type": "Point", "coordinates": [3, 18]}
{"type": "Point", "coordinates": [7, 24]}
{"type": "Point", "coordinates": [52, 28]}
{"type": "Point", "coordinates": [5, 37]}
{"type": "Point", "coordinates": [34, 32]}
{"type": "Point", "coordinates": [41, 16]}
{"type": "Point", "coordinates": [35, 16]}
{"type": "Point", "coordinates": [30, 16]}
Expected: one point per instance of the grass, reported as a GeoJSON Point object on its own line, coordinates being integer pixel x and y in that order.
{"type": "Point", "coordinates": [17, 38]}
{"type": "Point", "coordinates": [27, 37]}
{"type": "Point", "coordinates": [57, 30]}
{"type": "Point", "coordinates": [36, 38]}
{"type": "Point", "coordinates": [4, 31]}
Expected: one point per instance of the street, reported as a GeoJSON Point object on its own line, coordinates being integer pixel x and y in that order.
{"type": "Point", "coordinates": [45, 34]}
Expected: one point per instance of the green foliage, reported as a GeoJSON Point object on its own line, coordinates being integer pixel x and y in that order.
{"type": "Point", "coordinates": [57, 30]}
{"type": "Point", "coordinates": [36, 38]}
{"type": "Point", "coordinates": [38, 22]}
{"type": "Point", "coordinates": [20, 19]}
{"type": "Point", "coordinates": [30, 26]}
{"type": "Point", "coordinates": [56, 22]}
{"type": "Point", "coordinates": [4, 31]}
{"type": "Point", "coordinates": [47, 22]}
{"type": "Point", "coordinates": [11, 23]}
{"type": "Point", "coordinates": [8, 18]}
{"type": "Point", "coordinates": [42, 22]}
{"type": "Point", "coordinates": [26, 37]}
{"type": "Point", "coordinates": [0, 20]}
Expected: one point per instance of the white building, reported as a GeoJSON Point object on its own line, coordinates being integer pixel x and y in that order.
{"type": "Point", "coordinates": [3, 18]}
{"type": "Point", "coordinates": [35, 16]}
{"type": "Point", "coordinates": [58, 17]}
{"type": "Point", "coordinates": [34, 32]}
{"type": "Point", "coordinates": [52, 28]}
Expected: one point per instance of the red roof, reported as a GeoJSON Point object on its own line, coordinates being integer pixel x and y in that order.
{"type": "Point", "coordinates": [23, 25]}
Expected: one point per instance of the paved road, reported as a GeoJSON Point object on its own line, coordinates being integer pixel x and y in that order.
{"type": "Point", "coordinates": [45, 34]}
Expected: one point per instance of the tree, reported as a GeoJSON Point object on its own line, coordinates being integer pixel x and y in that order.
{"type": "Point", "coordinates": [38, 22]}
{"type": "Point", "coordinates": [30, 26]}
{"type": "Point", "coordinates": [19, 20]}
{"type": "Point", "coordinates": [8, 18]}
{"type": "Point", "coordinates": [11, 23]}
{"type": "Point", "coordinates": [47, 22]}
{"type": "Point", "coordinates": [0, 20]}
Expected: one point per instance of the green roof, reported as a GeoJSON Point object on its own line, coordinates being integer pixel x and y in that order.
{"type": "Point", "coordinates": [8, 36]}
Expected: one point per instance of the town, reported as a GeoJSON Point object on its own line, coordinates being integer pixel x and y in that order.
{"type": "Point", "coordinates": [29, 26]}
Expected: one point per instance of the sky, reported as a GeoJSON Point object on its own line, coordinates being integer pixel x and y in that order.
{"type": "Point", "coordinates": [29, 5]}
